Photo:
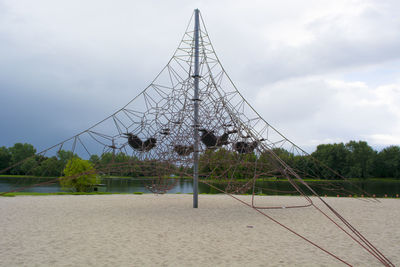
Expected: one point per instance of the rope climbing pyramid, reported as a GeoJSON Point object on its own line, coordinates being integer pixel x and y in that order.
{"type": "Point", "coordinates": [192, 121]}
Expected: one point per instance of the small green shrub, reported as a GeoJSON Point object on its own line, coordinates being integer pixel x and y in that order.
{"type": "Point", "coordinates": [80, 176]}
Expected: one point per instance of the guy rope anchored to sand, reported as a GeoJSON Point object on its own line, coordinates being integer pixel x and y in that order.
{"type": "Point", "coordinates": [192, 121]}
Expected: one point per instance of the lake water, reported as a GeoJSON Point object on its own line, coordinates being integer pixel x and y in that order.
{"type": "Point", "coordinates": [130, 185]}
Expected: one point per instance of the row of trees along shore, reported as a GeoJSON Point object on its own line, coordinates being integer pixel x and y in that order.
{"type": "Point", "coordinates": [351, 160]}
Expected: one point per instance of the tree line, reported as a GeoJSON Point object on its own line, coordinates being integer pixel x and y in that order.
{"type": "Point", "coordinates": [108, 163]}
{"type": "Point", "coordinates": [352, 160]}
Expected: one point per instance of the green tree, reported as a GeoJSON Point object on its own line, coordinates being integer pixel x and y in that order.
{"type": "Point", "coordinates": [360, 159]}
{"type": "Point", "coordinates": [270, 166]}
{"type": "Point", "coordinates": [80, 176]}
{"type": "Point", "coordinates": [63, 156]}
{"type": "Point", "coordinates": [49, 167]}
{"type": "Point", "coordinates": [105, 162]}
{"type": "Point", "coordinates": [225, 164]}
{"type": "Point", "coordinates": [335, 156]}
{"type": "Point", "coordinates": [218, 164]}
{"type": "Point", "coordinates": [28, 166]}
{"type": "Point", "coordinates": [388, 162]}
{"type": "Point", "coordinates": [94, 159]}
{"type": "Point", "coordinates": [5, 158]}
{"type": "Point", "coordinates": [20, 152]}
{"type": "Point", "coordinates": [245, 165]}
{"type": "Point", "coordinates": [284, 155]}
{"type": "Point", "coordinates": [304, 166]}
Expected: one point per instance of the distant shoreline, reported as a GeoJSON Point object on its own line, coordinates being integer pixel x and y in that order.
{"type": "Point", "coordinates": [16, 194]}
{"type": "Point", "coordinates": [272, 179]}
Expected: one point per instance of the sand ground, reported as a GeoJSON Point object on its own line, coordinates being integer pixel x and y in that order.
{"type": "Point", "coordinates": [164, 230]}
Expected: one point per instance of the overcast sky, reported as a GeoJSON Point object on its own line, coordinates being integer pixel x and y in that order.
{"type": "Point", "coordinates": [318, 71]}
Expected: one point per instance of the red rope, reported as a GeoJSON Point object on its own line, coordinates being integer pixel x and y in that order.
{"type": "Point", "coordinates": [373, 250]}
{"type": "Point", "coordinates": [282, 225]}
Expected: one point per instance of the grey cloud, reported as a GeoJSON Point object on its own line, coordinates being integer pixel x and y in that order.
{"type": "Point", "coordinates": [66, 66]}
{"type": "Point", "coordinates": [339, 42]}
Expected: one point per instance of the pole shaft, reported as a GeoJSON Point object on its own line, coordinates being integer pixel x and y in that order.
{"type": "Point", "coordinates": [196, 110]}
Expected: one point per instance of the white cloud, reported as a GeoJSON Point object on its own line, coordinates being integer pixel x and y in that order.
{"type": "Point", "coordinates": [315, 110]}
{"type": "Point", "coordinates": [385, 139]}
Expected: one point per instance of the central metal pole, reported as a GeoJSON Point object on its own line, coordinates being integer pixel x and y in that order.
{"type": "Point", "coordinates": [196, 110]}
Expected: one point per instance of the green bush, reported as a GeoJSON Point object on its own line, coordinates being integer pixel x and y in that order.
{"type": "Point", "coordinates": [80, 176]}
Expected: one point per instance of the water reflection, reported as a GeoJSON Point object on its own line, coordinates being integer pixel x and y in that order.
{"type": "Point", "coordinates": [130, 185]}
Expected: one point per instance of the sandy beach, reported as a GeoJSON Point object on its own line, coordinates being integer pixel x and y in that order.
{"type": "Point", "coordinates": [164, 230]}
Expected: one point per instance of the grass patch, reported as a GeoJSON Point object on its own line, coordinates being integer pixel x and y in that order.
{"type": "Point", "coordinates": [144, 177]}
{"type": "Point", "coordinates": [14, 194]}
{"type": "Point", "coordinates": [138, 193]}
{"type": "Point", "coordinates": [25, 176]}
{"type": "Point", "coordinates": [114, 177]}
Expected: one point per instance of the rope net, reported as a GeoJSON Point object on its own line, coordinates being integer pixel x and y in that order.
{"type": "Point", "coordinates": [152, 136]}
